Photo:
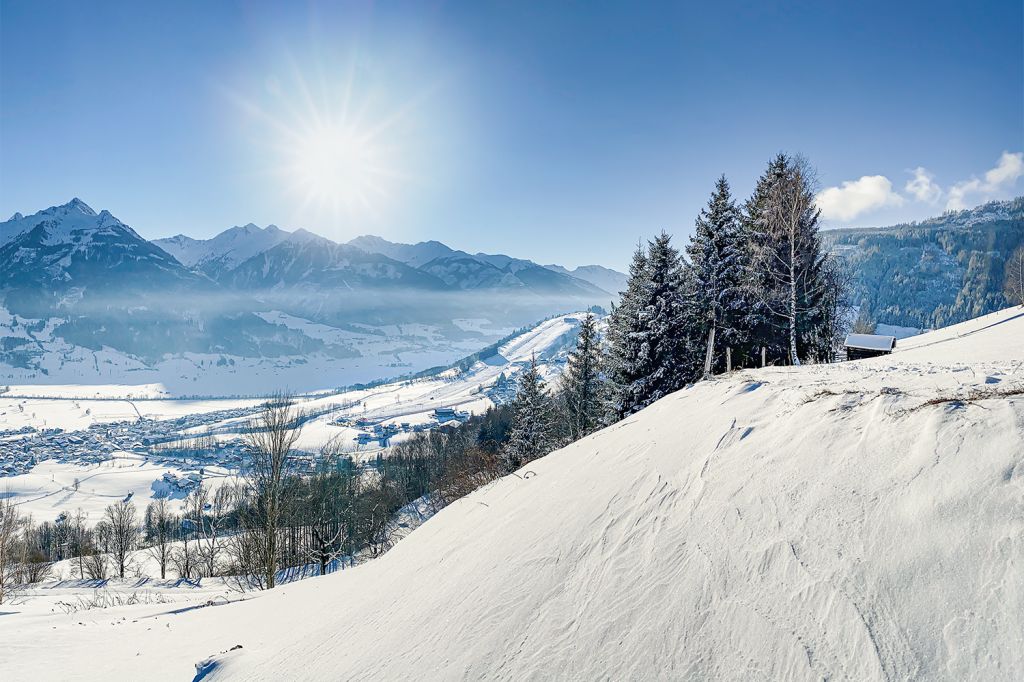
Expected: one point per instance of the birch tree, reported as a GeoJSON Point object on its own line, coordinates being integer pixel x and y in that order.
{"type": "Point", "coordinates": [786, 271]}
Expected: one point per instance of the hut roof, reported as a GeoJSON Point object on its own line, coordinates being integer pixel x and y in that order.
{"type": "Point", "coordinates": [870, 342]}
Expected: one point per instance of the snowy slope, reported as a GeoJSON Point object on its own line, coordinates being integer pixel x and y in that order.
{"type": "Point", "coordinates": [862, 521]}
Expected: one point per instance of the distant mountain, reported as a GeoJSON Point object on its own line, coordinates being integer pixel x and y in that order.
{"type": "Point", "coordinates": [318, 263]}
{"type": "Point", "coordinates": [226, 258]}
{"type": "Point", "coordinates": [463, 271]}
{"type": "Point", "coordinates": [103, 285]}
{"type": "Point", "coordinates": [69, 256]}
{"type": "Point", "coordinates": [604, 278]}
{"type": "Point", "coordinates": [224, 252]}
{"type": "Point", "coordinates": [415, 255]}
{"type": "Point", "coordinates": [935, 272]}
{"type": "Point", "coordinates": [92, 282]}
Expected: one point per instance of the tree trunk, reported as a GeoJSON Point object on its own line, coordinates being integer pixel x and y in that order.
{"type": "Point", "coordinates": [792, 303]}
{"type": "Point", "coordinates": [710, 353]}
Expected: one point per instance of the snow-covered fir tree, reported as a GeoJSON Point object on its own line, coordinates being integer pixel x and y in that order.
{"type": "Point", "coordinates": [766, 330]}
{"type": "Point", "coordinates": [533, 429]}
{"type": "Point", "coordinates": [650, 354]}
{"type": "Point", "coordinates": [718, 264]}
{"type": "Point", "coordinates": [581, 383]}
{"type": "Point", "coordinates": [621, 347]}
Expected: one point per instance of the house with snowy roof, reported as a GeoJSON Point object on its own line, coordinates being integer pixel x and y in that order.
{"type": "Point", "coordinates": [860, 346]}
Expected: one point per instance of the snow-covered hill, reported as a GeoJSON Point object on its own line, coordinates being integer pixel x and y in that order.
{"type": "Point", "coordinates": [935, 272]}
{"type": "Point", "coordinates": [861, 521]}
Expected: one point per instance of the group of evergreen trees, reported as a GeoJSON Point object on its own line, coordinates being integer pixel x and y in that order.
{"type": "Point", "coordinates": [754, 286]}
{"type": "Point", "coordinates": [756, 282]}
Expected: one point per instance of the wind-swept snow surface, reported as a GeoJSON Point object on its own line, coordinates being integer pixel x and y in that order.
{"type": "Point", "coordinates": [862, 521]}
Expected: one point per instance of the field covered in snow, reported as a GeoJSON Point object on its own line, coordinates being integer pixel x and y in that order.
{"type": "Point", "coordinates": [859, 521]}
{"type": "Point", "coordinates": [39, 356]}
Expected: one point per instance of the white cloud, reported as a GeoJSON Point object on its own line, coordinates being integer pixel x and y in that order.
{"type": "Point", "coordinates": [997, 183]}
{"type": "Point", "coordinates": [923, 187]}
{"type": "Point", "coordinates": [856, 197]}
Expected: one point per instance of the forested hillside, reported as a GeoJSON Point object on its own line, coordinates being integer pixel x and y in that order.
{"type": "Point", "coordinates": [936, 272]}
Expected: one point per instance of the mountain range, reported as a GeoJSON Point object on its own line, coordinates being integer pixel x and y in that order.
{"type": "Point", "coordinates": [95, 283]}
{"type": "Point", "coordinates": [368, 261]}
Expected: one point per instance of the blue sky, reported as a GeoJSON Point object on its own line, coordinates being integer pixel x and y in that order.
{"type": "Point", "coordinates": [559, 131]}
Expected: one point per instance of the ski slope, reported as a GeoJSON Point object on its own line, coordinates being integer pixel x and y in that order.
{"type": "Point", "coordinates": [861, 521]}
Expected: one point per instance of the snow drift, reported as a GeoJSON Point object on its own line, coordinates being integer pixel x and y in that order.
{"type": "Point", "coordinates": [856, 521]}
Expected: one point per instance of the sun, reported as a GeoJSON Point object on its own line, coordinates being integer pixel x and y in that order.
{"type": "Point", "coordinates": [337, 140]}
{"type": "Point", "coordinates": [337, 165]}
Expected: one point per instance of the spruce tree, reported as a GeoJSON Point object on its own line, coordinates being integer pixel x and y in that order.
{"type": "Point", "coordinates": [649, 350]}
{"type": "Point", "coordinates": [532, 433]}
{"type": "Point", "coordinates": [581, 383]}
{"type": "Point", "coordinates": [622, 347]}
{"type": "Point", "coordinates": [766, 330]}
{"type": "Point", "coordinates": [718, 265]}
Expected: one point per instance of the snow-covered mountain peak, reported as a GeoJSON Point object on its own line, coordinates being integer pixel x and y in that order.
{"type": "Point", "coordinates": [226, 250]}
{"type": "Point", "coordinates": [72, 223]}
{"type": "Point", "coordinates": [416, 255]}
{"type": "Point", "coordinates": [75, 205]}
{"type": "Point", "coordinates": [604, 278]}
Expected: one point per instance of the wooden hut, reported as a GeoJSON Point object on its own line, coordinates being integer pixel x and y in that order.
{"type": "Point", "coordinates": [860, 346]}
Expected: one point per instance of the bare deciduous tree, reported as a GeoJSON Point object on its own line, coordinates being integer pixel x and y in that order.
{"type": "Point", "coordinates": [96, 562]}
{"type": "Point", "coordinates": [95, 565]}
{"type": "Point", "coordinates": [212, 516]}
{"type": "Point", "coordinates": [78, 537]}
{"type": "Point", "coordinates": [124, 532]}
{"type": "Point", "coordinates": [10, 548]}
{"type": "Point", "coordinates": [270, 441]}
{"type": "Point", "coordinates": [35, 564]}
{"type": "Point", "coordinates": [159, 527]}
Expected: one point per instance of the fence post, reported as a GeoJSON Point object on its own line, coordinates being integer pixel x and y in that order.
{"type": "Point", "coordinates": [762, 356]}
{"type": "Point", "coordinates": [728, 358]}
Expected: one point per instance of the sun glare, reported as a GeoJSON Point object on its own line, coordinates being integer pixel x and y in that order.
{"type": "Point", "coordinates": [339, 146]}
{"type": "Point", "coordinates": [335, 165]}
